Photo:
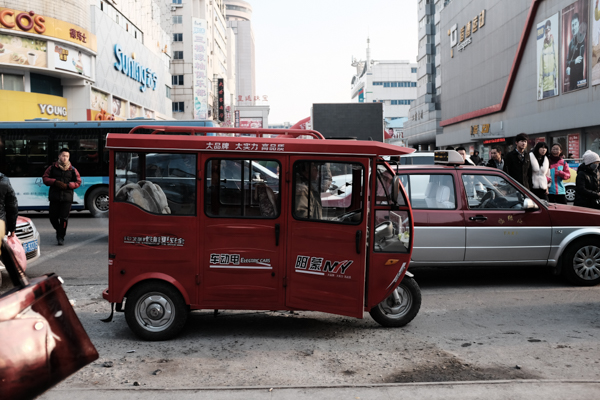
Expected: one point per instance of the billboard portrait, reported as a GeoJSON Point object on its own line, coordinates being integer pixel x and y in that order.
{"type": "Point", "coordinates": [595, 32]}
{"type": "Point", "coordinates": [574, 43]}
{"type": "Point", "coordinates": [547, 58]}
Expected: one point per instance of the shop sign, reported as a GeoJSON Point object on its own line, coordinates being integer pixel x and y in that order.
{"type": "Point", "coordinates": [29, 21]}
{"type": "Point", "coordinates": [465, 38]}
{"type": "Point", "coordinates": [475, 129]}
{"type": "Point", "coordinates": [200, 69]}
{"type": "Point", "coordinates": [221, 99]}
{"type": "Point", "coordinates": [49, 109]}
{"type": "Point", "coordinates": [136, 71]}
{"type": "Point", "coordinates": [251, 123]}
{"type": "Point", "coordinates": [253, 97]}
{"type": "Point", "coordinates": [573, 145]}
{"type": "Point", "coordinates": [19, 106]}
{"type": "Point", "coordinates": [492, 141]}
{"type": "Point", "coordinates": [69, 59]}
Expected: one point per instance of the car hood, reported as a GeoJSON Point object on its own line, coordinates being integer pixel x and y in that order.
{"type": "Point", "coordinates": [564, 215]}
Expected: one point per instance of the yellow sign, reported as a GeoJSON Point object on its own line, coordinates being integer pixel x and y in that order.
{"type": "Point", "coordinates": [19, 106]}
{"type": "Point", "coordinates": [24, 21]}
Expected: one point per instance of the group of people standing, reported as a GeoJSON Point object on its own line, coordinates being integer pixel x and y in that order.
{"type": "Point", "coordinates": [544, 169]}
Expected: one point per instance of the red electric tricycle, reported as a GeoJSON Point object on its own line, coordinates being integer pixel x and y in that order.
{"type": "Point", "coordinates": [255, 219]}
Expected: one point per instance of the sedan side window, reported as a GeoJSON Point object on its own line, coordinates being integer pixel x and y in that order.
{"type": "Point", "coordinates": [491, 192]}
{"type": "Point", "coordinates": [430, 192]}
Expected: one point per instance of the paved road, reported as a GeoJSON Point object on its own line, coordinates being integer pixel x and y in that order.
{"type": "Point", "coordinates": [517, 333]}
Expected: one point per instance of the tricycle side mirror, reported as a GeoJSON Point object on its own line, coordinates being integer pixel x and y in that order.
{"type": "Point", "coordinates": [397, 197]}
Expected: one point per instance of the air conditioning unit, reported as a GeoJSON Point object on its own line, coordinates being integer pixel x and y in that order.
{"type": "Point", "coordinates": [173, 8]}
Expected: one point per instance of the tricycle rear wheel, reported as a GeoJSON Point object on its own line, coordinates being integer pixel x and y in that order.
{"type": "Point", "coordinates": [155, 311]}
{"type": "Point", "coordinates": [401, 307]}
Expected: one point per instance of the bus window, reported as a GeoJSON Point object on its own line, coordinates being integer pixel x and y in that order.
{"type": "Point", "coordinates": [88, 151]}
{"type": "Point", "coordinates": [241, 188]}
{"type": "Point", "coordinates": [166, 185]}
{"type": "Point", "coordinates": [25, 157]}
{"type": "Point", "coordinates": [324, 191]}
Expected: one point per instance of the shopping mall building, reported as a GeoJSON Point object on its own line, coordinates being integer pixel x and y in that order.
{"type": "Point", "coordinates": [53, 64]}
{"type": "Point", "coordinates": [528, 66]}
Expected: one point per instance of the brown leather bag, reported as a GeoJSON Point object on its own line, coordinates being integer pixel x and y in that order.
{"type": "Point", "coordinates": [41, 339]}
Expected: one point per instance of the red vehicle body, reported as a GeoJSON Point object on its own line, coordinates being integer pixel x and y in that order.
{"type": "Point", "coordinates": [199, 222]}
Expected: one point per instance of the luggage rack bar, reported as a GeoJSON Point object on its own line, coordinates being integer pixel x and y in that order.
{"type": "Point", "coordinates": [258, 132]}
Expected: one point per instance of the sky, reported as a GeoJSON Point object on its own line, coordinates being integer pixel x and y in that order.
{"type": "Point", "coordinates": [304, 49]}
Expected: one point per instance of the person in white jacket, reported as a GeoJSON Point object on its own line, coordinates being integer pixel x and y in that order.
{"type": "Point", "coordinates": [540, 170]}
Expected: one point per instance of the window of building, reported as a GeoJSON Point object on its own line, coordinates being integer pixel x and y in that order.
{"type": "Point", "coordinates": [413, 70]}
{"type": "Point", "coordinates": [178, 37]}
{"type": "Point", "coordinates": [46, 84]}
{"type": "Point", "coordinates": [160, 183]}
{"type": "Point", "coordinates": [178, 19]}
{"type": "Point", "coordinates": [12, 82]}
{"type": "Point", "coordinates": [178, 55]}
{"type": "Point", "coordinates": [242, 188]}
{"type": "Point", "coordinates": [168, 91]}
{"type": "Point", "coordinates": [178, 106]}
{"type": "Point", "coordinates": [177, 80]}
{"type": "Point", "coordinates": [176, 1]}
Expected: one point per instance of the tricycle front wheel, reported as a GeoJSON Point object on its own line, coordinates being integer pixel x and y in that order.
{"type": "Point", "coordinates": [401, 307]}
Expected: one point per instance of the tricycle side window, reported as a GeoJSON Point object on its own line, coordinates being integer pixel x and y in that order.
{"type": "Point", "coordinates": [328, 191]}
{"type": "Point", "coordinates": [384, 192]}
{"type": "Point", "coordinates": [242, 188]}
{"type": "Point", "coordinates": [160, 183]}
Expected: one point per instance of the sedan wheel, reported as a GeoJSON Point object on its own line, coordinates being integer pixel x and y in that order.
{"type": "Point", "coordinates": [570, 194]}
{"type": "Point", "coordinates": [582, 263]}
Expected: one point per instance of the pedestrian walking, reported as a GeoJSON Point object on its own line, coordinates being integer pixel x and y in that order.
{"type": "Point", "coordinates": [517, 163]}
{"type": "Point", "coordinates": [587, 184]}
{"type": "Point", "coordinates": [475, 158]}
{"type": "Point", "coordinates": [540, 170]}
{"type": "Point", "coordinates": [467, 159]}
{"type": "Point", "coordinates": [9, 208]}
{"type": "Point", "coordinates": [63, 179]}
{"type": "Point", "coordinates": [559, 172]}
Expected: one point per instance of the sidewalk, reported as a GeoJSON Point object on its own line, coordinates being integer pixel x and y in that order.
{"type": "Point", "coordinates": [488, 390]}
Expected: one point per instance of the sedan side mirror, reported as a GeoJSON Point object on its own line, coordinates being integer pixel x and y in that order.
{"type": "Point", "coordinates": [529, 205]}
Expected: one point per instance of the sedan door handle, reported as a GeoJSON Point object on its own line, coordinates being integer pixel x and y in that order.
{"type": "Point", "coordinates": [478, 218]}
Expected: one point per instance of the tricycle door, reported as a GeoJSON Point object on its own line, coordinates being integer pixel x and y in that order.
{"type": "Point", "coordinates": [243, 237]}
{"type": "Point", "coordinates": [391, 242]}
{"type": "Point", "coordinates": [327, 225]}
{"type": "Point", "coordinates": [153, 231]}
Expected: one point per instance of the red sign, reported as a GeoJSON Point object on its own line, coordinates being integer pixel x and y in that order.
{"type": "Point", "coordinates": [540, 139]}
{"type": "Point", "coordinates": [490, 141]}
{"type": "Point", "coordinates": [573, 145]}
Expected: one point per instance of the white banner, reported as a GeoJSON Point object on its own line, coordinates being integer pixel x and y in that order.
{"type": "Point", "coordinates": [199, 54]}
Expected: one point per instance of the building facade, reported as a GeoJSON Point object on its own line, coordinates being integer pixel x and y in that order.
{"type": "Point", "coordinates": [392, 83]}
{"type": "Point", "coordinates": [201, 65]}
{"type": "Point", "coordinates": [422, 127]}
{"type": "Point", "coordinates": [252, 109]}
{"type": "Point", "coordinates": [512, 67]}
{"type": "Point", "coordinates": [55, 65]}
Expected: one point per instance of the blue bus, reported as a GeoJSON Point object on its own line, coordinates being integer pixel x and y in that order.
{"type": "Point", "coordinates": [30, 147]}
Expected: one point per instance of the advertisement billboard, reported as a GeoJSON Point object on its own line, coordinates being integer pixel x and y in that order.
{"type": "Point", "coordinates": [547, 58]}
{"type": "Point", "coordinates": [70, 59]}
{"type": "Point", "coordinates": [23, 51]}
{"type": "Point", "coordinates": [595, 32]}
{"type": "Point", "coordinates": [199, 57]}
{"type": "Point", "coordinates": [574, 46]}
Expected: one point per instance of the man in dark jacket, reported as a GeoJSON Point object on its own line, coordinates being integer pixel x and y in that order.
{"type": "Point", "coordinates": [587, 184]}
{"type": "Point", "coordinates": [475, 158]}
{"type": "Point", "coordinates": [517, 163]}
{"type": "Point", "coordinates": [496, 160]}
{"type": "Point", "coordinates": [9, 207]}
{"type": "Point", "coordinates": [62, 178]}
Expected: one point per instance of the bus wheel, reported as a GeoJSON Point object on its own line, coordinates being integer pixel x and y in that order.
{"type": "Point", "coordinates": [401, 306]}
{"type": "Point", "coordinates": [97, 202]}
{"type": "Point", "coordinates": [155, 311]}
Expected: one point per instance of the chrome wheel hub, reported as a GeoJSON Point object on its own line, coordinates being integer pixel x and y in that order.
{"type": "Point", "coordinates": [586, 263]}
{"type": "Point", "coordinates": [155, 312]}
{"type": "Point", "coordinates": [398, 303]}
